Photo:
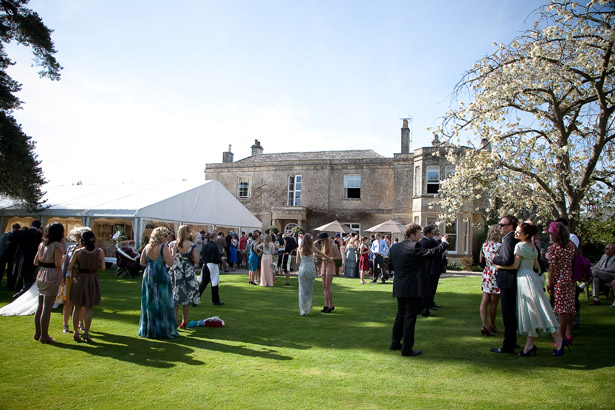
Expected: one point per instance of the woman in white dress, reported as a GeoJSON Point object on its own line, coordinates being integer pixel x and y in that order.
{"type": "Point", "coordinates": [534, 312]}
{"type": "Point", "coordinates": [307, 273]}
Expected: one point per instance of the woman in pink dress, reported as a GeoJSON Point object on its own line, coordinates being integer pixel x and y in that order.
{"type": "Point", "coordinates": [562, 287]}
{"type": "Point", "coordinates": [491, 292]}
{"type": "Point", "coordinates": [267, 248]}
{"type": "Point", "coordinates": [327, 269]}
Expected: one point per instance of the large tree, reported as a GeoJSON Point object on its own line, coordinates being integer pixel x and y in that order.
{"type": "Point", "coordinates": [537, 115]}
{"type": "Point", "coordinates": [22, 176]}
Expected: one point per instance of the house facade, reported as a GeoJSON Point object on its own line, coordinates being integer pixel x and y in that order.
{"type": "Point", "coordinates": [360, 188]}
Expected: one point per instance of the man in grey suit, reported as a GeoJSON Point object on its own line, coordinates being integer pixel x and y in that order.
{"type": "Point", "coordinates": [604, 272]}
{"type": "Point", "coordinates": [407, 259]}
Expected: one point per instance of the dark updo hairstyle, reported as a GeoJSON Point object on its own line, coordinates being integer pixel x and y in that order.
{"type": "Point", "coordinates": [88, 239]}
{"type": "Point", "coordinates": [528, 228]}
{"type": "Point", "coordinates": [54, 232]}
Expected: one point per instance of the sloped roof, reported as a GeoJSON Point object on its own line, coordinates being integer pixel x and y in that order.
{"type": "Point", "coordinates": [175, 200]}
{"type": "Point", "coordinates": [315, 155]}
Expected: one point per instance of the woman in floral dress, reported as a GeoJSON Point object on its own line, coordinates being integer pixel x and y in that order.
{"type": "Point", "coordinates": [562, 287]}
{"type": "Point", "coordinates": [183, 278]}
{"type": "Point", "coordinates": [491, 292]}
{"type": "Point", "coordinates": [157, 316]}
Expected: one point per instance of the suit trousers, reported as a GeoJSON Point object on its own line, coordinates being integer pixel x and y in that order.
{"type": "Point", "coordinates": [405, 321]}
{"type": "Point", "coordinates": [508, 300]}
{"type": "Point", "coordinates": [379, 267]}
{"type": "Point", "coordinates": [435, 278]}
{"type": "Point", "coordinates": [426, 291]}
{"type": "Point", "coordinates": [206, 276]}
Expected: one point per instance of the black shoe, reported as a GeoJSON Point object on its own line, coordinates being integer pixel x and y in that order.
{"type": "Point", "coordinates": [434, 306]}
{"type": "Point", "coordinates": [413, 353]}
{"type": "Point", "coordinates": [395, 346]}
{"type": "Point", "coordinates": [219, 303]}
{"type": "Point", "coordinates": [325, 309]}
{"type": "Point", "coordinates": [501, 350]}
{"type": "Point", "coordinates": [375, 280]}
{"type": "Point", "coordinates": [331, 309]}
{"type": "Point", "coordinates": [194, 305]}
{"type": "Point", "coordinates": [427, 314]}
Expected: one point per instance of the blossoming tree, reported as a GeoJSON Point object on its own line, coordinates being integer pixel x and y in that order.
{"type": "Point", "coordinates": [537, 115]}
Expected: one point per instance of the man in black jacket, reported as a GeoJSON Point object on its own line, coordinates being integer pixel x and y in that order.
{"type": "Point", "coordinates": [506, 280]}
{"type": "Point", "coordinates": [23, 264]}
{"type": "Point", "coordinates": [8, 246]}
{"type": "Point", "coordinates": [210, 271]}
{"type": "Point", "coordinates": [407, 259]}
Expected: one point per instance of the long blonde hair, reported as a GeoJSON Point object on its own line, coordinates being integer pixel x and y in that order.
{"type": "Point", "coordinates": [183, 233]}
{"type": "Point", "coordinates": [493, 235]}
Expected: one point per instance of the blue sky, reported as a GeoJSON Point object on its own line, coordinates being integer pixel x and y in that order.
{"type": "Point", "coordinates": [159, 89]}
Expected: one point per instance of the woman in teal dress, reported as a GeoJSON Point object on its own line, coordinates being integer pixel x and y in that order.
{"type": "Point", "coordinates": [534, 313]}
{"type": "Point", "coordinates": [157, 310]}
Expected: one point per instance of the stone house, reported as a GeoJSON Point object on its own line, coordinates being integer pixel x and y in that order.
{"type": "Point", "coordinates": [360, 188]}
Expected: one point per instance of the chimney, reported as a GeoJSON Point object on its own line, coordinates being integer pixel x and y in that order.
{"type": "Point", "coordinates": [256, 148]}
{"type": "Point", "coordinates": [405, 137]}
{"type": "Point", "coordinates": [227, 156]}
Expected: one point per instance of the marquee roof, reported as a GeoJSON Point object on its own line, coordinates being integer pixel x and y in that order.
{"type": "Point", "coordinates": [208, 203]}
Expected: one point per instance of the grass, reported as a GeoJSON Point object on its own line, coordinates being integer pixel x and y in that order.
{"type": "Point", "coordinates": [269, 357]}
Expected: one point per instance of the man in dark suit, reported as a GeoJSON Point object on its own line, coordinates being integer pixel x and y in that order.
{"type": "Point", "coordinates": [23, 265]}
{"type": "Point", "coordinates": [506, 280]}
{"type": "Point", "coordinates": [427, 291]}
{"type": "Point", "coordinates": [407, 259]}
{"type": "Point", "coordinates": [8, 246]}
{"type": "Point", "coordinates": [210, 270]}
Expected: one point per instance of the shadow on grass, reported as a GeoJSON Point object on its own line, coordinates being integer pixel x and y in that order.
{"type": "Point", "coordinates": [265, 323]}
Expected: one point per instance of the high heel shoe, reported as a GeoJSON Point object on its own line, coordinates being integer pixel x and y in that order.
{"type": "Point", "coordinates": [77, 338]}
{"type": "Point", "coordinates": [523, 353]}
{"type": "Point", "coordinates": [494, 329]}
{"type": "Point", "coordinates": [560, 352]}
{"type": "Point", "coordinates": [484, 331]}
{"type": "Point", "coordinates": [183, 325]}
{"type": "Point", "coordinates": [569, 340]}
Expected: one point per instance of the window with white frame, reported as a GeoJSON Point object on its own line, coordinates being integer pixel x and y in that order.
{"type": "Point", "coordinates": [354, 226]}
{"type": "Point", "coordinates": [418, 189]}
{"type": "Point", "coordinates": [466, 236]}
{"type": "Point", "coordinates": [244, 187]}
{"type": "Point", "coordinates": [433, 179]}
{"type": "Point", "coordinates": [294, 190]}
{"type": "Point", "coordinates": [451, 231]}
{"type": "Point", "coordinates": [352, 186]}
{"type": "Point", "coordinates": [449, 170]}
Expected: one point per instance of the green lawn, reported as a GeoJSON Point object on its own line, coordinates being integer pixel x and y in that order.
{"type": "Point", "coordinates": [269, 357]}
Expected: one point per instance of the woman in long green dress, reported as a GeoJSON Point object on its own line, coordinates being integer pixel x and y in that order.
{"type": "Point", "coordinates": [307, 273]}
{"type": "Point", "coordinates": [157, 307]}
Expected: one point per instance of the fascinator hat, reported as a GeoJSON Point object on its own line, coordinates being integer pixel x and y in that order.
{"type": "Point", "coordinates": [78, 230]}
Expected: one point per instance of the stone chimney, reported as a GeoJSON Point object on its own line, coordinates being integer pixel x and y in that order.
{"type": "Point", "coordinates": [405, 137]}
{"type": "Point", "coordinates": [227, 156]}
{"type": "Point", "coordinates": [256, 148]}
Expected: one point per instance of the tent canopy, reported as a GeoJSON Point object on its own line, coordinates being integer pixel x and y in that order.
{"type": "Point", "coordinates": [182, 201]}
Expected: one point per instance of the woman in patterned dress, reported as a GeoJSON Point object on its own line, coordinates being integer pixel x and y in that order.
{"type": "Point", "coordinates": [562, 287]}
{"type": "Point", "coordinates": [183, 278]}
{"type": "Point", "coordinates": [157, 319]}
{"type": "Point", "coordinates": [85, 292]}
{"type": "Point", "coordinates": [491, 292]}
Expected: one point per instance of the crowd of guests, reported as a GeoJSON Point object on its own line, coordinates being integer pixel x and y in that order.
{"type": "Point", "coordinates": [519, 272]}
